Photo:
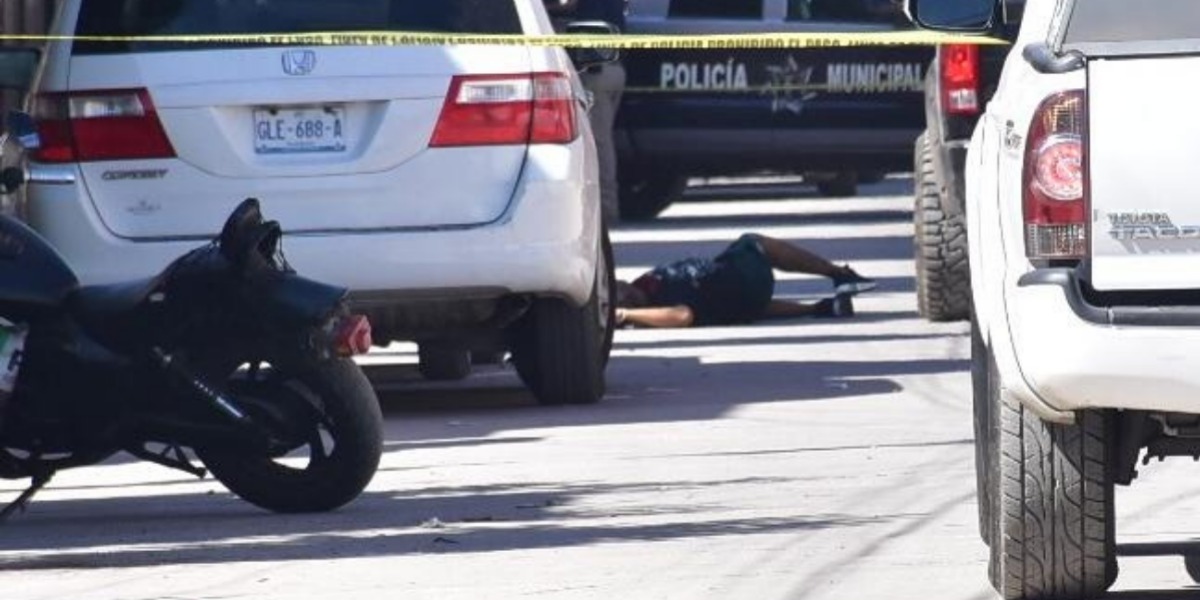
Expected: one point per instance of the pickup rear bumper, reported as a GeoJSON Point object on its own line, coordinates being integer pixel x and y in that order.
{"type": "Point", "coordinates": [1073, 354]}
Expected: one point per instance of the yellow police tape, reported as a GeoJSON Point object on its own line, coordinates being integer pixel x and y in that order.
{"type": "Point", "coordinates": [788, 40]}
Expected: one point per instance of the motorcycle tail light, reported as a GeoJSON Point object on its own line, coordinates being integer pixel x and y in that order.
{"type": "Point", "coordinates": [352, 336]}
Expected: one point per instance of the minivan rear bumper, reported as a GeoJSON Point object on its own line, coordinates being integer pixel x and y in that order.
{"type": "Point", "coordinates": [1075, 355]}
{"type": "Point", "coordinates": [545, 244]}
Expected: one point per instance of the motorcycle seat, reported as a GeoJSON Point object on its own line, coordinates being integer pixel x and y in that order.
{"type": "Point", "coordinates": [101, 307]}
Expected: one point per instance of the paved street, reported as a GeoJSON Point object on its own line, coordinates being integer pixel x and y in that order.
{"type": "Point", "coordinates": [801, 460]}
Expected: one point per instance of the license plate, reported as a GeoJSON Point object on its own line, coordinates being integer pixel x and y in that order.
{"type": "Point", "coordinates": [12, 345]}
{"type": "Point", "coordinates": [299, 129]}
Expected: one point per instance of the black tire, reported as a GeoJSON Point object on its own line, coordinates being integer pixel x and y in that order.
{"type": "Point", "coordinates": [608, 300]}
{"type": "Point", "coordinates": [981, 392]}
{"type": "Point", "coordinates": [443, 362]}
{"type": "Point", "coordinates": [643, 197]}
{"type": "Point", "coordinates": [843, 185]}
{"type": "Point", "coordinates": [560, 351]}
{"type": "Point", "coordinates": [939, 245]}
{"type": "Point", "coordinates": [1054, 528]}
{"type": "Point", "coordinates": [353, 422]}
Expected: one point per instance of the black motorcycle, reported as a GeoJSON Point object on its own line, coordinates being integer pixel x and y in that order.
{"type": "Point", "coordinates": [228, 356]}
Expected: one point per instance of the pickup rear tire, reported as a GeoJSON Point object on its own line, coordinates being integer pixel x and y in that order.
{"type": "Point", "coordinates": [1054, 526]}
{"type": "Point", "coordinates": [560, 351]}
{"type": "Point", "coordinates": [644, 196]}
{"type": "Point", "coordinates": [940, 246]}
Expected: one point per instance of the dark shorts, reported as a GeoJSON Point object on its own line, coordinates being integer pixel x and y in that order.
{"type": "Point", "coordinates": [756, 286]}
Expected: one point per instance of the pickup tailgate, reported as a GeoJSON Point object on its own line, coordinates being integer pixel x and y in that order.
{"type": "Point", "coordinates": [1143, 163]}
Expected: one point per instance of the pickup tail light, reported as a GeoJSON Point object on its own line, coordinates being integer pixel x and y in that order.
{"type": "Point", "coordinates": [959, 69]}
{"type": "Point", "coordinates": [530, 108]}
{"type": "Point", "coordinates": [99, 125]}
{"type": "Point", "coordinates": [1055, 179]}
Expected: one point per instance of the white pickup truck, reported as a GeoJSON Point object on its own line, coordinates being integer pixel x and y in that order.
{"type": "Point", "coordinates": [1084, 238]}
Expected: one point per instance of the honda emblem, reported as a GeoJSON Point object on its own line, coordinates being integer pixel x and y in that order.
{"type": "Point", "coordinates": [299, 62]}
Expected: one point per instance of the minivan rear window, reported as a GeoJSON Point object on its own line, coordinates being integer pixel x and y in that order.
{"type": "Point", "coordinates": [215, 17]}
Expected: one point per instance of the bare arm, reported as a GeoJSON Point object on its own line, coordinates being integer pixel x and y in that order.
{"type": "Point", "coordinates": [657, 316]}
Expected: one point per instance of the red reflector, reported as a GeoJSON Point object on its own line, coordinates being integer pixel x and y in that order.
{"type": "Point", "coordinates": [553, 110]}
{"type": "Point", "coordinates": [485, 110]}
{"type": "Point", "coordinates": [100, 125]}
{"type": "Point", "coordinates": [959, 68]}
{"type": "Point", "coordinates": [353, 336]}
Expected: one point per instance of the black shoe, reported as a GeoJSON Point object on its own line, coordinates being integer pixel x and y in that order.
{"type": "Point", "coordinates": [839, 306]}
{"type": "Point", "coordinates": [850, 282]}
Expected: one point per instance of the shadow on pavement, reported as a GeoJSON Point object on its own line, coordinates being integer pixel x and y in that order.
{"type": "Point", "coordinates": [659, 389]}
{"type": "Point", "coordinates": [1189, 554]}
{"type": "Point", "coordinates": [199, 528]}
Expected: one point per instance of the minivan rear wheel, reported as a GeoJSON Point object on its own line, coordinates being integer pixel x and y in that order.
{"type": "Point", "coordinates": [561, 351]}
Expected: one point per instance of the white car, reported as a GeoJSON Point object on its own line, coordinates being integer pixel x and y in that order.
{"type": "Point", "coordinates": [1084, 239]}
{"type": "Point", "coordinates": [452, 188]}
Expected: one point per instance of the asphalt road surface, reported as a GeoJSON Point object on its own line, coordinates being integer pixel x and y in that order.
{"type": "Point", "coordinates": [802, 460]}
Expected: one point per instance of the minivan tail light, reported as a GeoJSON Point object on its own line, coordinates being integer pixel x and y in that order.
{"type": "Point", "coordinates": [1055, 182]}
{"type": "Point", "coordinates": [99, 125]}
{"type": "Point", "coordinates": [960, 78]}
{"type": "Point", "coordinates": [481, 110]}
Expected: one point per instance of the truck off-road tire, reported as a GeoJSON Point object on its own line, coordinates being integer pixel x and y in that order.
{"type": "Point", "coordinates": [561, 351]}
{"type": "Point", "coordinates": [843, 185]}
{"type": "Point", "coordinates": [443, 362]}
{"type": "Point", "coordinates": [1054, 531]}
{"type": "Point", "coordinates": [345, 441]}
{"type": "Point", "coordinates": [643, 197]}
{"type": "Point", "coordinates": [939, 245]}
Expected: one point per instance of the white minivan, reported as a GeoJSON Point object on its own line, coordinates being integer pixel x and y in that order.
{"type": "Point", "coordinates": [452, 188]}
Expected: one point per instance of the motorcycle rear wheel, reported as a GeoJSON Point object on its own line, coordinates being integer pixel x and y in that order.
{"type": "Point", "coordinates": [343, 448]}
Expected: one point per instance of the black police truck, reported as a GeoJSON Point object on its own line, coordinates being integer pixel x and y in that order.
{"type": "Point", "coordinates": [960, 80]}
{"type": "Point", "coordinates": [837, 115]}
